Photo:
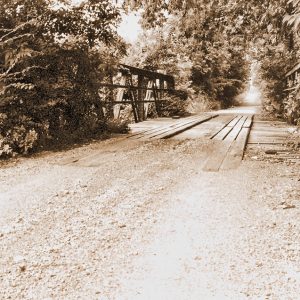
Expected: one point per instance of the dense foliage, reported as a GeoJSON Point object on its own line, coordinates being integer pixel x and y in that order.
{"type": "Point", "coordinates": [200, 44]}
{"type": "Point", "coordinates": [51, 59]}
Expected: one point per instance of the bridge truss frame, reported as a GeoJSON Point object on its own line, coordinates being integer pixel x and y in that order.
{"type": "Point", "coordinates": [139, 88]}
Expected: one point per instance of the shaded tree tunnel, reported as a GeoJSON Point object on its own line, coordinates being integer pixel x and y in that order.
{"type": "Point", "coordinates": [221, 41]}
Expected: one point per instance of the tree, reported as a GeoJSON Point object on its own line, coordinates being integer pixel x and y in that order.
{"type": "Point", "coordinates": [205, 35]}
{"type": "Point", "coordinates": [51, 59]}
{"type": "Point", "coordinates": [217, 36]}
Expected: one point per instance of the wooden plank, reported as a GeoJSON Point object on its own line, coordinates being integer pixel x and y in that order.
{"type": "Point", "coordinates": [268, 135]}
{"type": "Point", "coordinates": [248, 122]}
{"type": "Point", "coordinates": [232, 129]}
{"type": "Point", "coordinates": [270, 122]}
{"type": "Point", "coordinates": [223, 133]}
{"type": "Point", "coordinates": [186, 127]}
{"type": "Point", "coordinates": [236, 129]}
{"type": "Point", "coordinates": [234, 121]}
{"type": "Point", "coordinates": [177, 128]}
{"type": "Point", "coordinates": [165, 128]}
{"type": "Point", "coordinates": [262, 137]}
{"type": "Point", "coordinates": [156, 98]}
{"type": "Point", "coordinates": [265, 143]}
{"type": "Point", "coordinates": [217, 156]}
{"type": "Point", "coordinates": [269, 129]}
{"type": "Point", "coordinates": [235, 154]}
{"type": "Point", "coordinates": [206, 129]}
{"type": "Point", "coordinates": [222, 122]}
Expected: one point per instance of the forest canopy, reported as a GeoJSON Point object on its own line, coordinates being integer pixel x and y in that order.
{"type": "Point", "coordinates": [220, 38]}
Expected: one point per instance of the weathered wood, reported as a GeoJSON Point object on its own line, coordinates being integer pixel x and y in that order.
{"type": "Point", "coordinates": [235, 154]}
{"type": "Point", "coordinates": [229, 145]}
{"type": "Point", "coordinates": [223, 133]}
{"type": "Point", "coordinates": [164, 132]}
{"type": "Point", "coordinates": [164, 129]}
{"type": "Point", "coordinates": [148, 97]}
{"type": "Point", "coordinates": [248, 122]}
{"type": "Point", "coordinates": [273, 142]}
{"type": "Point", "coordinates": [187, 126]}
{"type": "Point", "coordinates": [268, 134]}
{"type": "Point", "coordinates": [269, 129]}
{"type": "Point", "coordinates": [236, 129]}
{"type": "Point", "coordinates": [234, 121]}
{"type": "Point", "coordinates": [160, 128]}
{"type": "Point", "coordinates": [224, 121]}
{"type": "Point", "coordinates": [206, 129]}
{"type": "Point", "coordinates": [217, 156]}
{"type": "Point", "coordinates": [160, 89]}
{"type": "Point", "coordinates": [266, 141]}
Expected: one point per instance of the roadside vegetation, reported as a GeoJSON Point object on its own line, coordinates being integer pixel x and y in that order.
{"type": "Point", "coordinates": [52, 59]}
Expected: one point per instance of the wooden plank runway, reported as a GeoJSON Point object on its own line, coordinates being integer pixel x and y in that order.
{"type": "Point", "coordinates": [229, 145]}
{"type": "Point", "coordinates": [171, 129]}
{"type": "Point", "coordinates": [227, 136]}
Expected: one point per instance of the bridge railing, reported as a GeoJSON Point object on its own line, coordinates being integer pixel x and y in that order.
{"type": "Point", "coordinates": [138, 88]}
{"type": "Point", "coordinates": [293, 78]}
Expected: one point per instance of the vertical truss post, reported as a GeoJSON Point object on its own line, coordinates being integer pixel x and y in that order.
{"type": "Point", "coordinates": [141, 106]}
{"type": "Point", "coordinates": [111, 98]}
{"type": "Point", "coordinates": [148, 97]}
{"type": "Point", "coordinates": [134, 102]}
{"type": "Point", "coordinates": [120, 96]}
{"type": "Point", "coordinates": [156, 98]}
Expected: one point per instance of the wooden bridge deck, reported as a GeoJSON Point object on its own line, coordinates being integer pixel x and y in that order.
{"type": "Point", "coordinates": [228, 133]}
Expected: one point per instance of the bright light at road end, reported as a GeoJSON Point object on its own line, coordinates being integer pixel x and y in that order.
{"type": "Point", "coordinates": [253, 95]}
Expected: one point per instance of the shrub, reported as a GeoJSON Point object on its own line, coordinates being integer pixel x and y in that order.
{"type": "Point", "coordinates": [175, 105]}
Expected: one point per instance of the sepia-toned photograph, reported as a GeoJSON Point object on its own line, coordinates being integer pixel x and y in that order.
{"type": "Point", "coordinates": [149, 150]}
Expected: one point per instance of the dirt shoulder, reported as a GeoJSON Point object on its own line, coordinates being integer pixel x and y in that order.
{"type": "Point", "coordinates": [116, 220]}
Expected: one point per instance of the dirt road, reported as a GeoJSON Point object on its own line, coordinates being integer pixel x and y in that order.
{"type": "Point", "coordinates": [124, 220]}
